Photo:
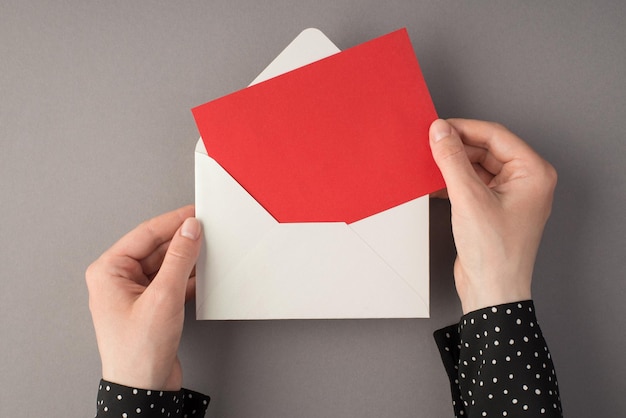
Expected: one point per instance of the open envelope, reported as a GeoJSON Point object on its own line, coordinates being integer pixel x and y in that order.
{"type": "Point", "coordinates": [255, 267]}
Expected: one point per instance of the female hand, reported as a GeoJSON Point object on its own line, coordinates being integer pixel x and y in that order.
{"type": "Point", "coordinates": [500, 192]}
{"type": "Point", "coordinates": [137, 294]}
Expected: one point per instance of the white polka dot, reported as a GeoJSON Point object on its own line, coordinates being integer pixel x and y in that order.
{"type": "Point", "coordinates": [511, 341]}
{"type": "Point", "coordinates": [495, 380]}
{"type": "Point", "coordinates": [108, 388]}
{"type": "Point", "coordinates": [106, 408]}
{"type": "Point", "coordinates": [119, 397]}
{"type": "Point", "coordinates": [484, 316]}
{"type": "Point", "coordinates": [134, 391]}
{"type": "Point", "coordinates": [511, 376]}
{"type": "Point", "coordinates": [138, 410]}
{"type": "Point", "coordinates": [518, 322]}
{"type": "Point", "coordinates": [504, 413]}
{"type": "Point", "coordinates": [494, 309]}
{"type": "Point", "coordinates": [514, 401]}
{"type": "Point", "coordinates": [149, 392]}
{"type": "Point", "coordinates": [124, 415]}
{"type": "Point", "coordinates": [538, 391]}
{"type": "Point", "coordinates": [497, 329]}
{"type": "Point", "coordinates": [525, 407]}
{"type": "Point", "coordinates": [496, 342]}
{"type": "Point", "coordinates": [508, 312]}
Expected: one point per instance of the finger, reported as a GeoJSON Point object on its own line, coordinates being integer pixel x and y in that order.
{"type": "Point", "coordinates": [485, 176]}
{"type": "Point", "coordinates": [449, 154]}
{"type": "Point", "coordinates": [149, 235]}
{"type": "Point", "coordinates": [173, 276]}
{"type": "Point", "coordinates": [109, 266]}
{"type": "Point", "coordinates": [499, 141]}
{"type": "Point", "coordinates": [478, 155]}
{"type": "Point", "coordinates": [153, 261]}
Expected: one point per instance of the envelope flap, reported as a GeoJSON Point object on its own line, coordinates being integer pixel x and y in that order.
{"type": "Point", "coordinates": [309, 46]}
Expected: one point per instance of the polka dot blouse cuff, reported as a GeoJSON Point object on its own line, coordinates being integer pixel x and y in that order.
{"type": "Point", "coordinates": [499, 365]}
{"type": "Point", "coordinates": [122, 401]}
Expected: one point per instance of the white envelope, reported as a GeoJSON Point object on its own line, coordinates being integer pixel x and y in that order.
{"type": "Point", "coordinates": [252, 267]}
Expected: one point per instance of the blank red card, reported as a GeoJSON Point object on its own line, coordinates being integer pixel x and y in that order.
{"type": "Point", "coordinates": [337, 140]}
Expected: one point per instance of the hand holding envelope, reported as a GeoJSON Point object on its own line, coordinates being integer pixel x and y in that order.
{"type": "Point", "coordinates": [312, 186]}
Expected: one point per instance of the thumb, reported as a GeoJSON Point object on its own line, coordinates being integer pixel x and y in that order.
{"type": "Point", "coordinates": [449, 154]}
{"type": "Point", "coordinates": [179, 260]}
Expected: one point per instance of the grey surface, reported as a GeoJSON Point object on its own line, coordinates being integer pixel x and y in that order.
{"type": "Point", "coordinates": [96, 135]}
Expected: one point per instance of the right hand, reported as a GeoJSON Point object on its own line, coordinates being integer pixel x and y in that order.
{"type": "Point", "coordinates": [500, 191]}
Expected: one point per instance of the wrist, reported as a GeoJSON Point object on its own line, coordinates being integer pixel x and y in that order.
{"type": "Point", "coordinates": [485, 296]}
{"type": "Point", "coordinates": [144, 378]}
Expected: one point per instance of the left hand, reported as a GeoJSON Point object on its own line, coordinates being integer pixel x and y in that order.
{"type": "Point", "coordinates": [137, 294]}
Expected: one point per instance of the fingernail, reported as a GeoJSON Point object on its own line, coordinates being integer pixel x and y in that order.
{"type": "Point", "coordinates": [190, 229]}
{"type": "Point", "coordinates": [440, 129]}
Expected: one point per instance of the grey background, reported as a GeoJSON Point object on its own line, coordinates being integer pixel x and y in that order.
{"type": "Point", "coordinates": [96, 135]}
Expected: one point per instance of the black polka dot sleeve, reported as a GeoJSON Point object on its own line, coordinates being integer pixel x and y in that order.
{"type": "Point", "coordinates": [499, 364]}
{"type": "Point", "coordinates": [124, 402]}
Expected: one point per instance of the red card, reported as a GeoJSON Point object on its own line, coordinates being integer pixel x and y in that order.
{"type": "Point", "coordinates": [337, 140]}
